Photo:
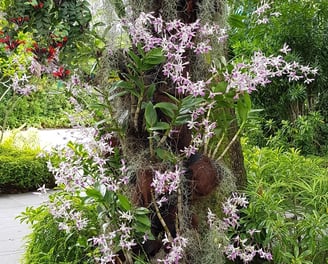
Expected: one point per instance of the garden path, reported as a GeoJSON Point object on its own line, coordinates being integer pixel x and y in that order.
{"type": "Point", "coordinates": [12, 231]}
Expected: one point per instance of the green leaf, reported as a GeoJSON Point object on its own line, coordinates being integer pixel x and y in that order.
{"type": "Point", "coordinates": [136, 60]}
{"type": "Point", "coordinates": [94, 193]}
{"type": "Point", "coordinates": [117, 95]}
{"type": "Point", "coordinates": [296, 251]}
{"type": "Point", "coordinates": [121, 84]}
{"type": "Point", "coordinates": [124, 202]}
{"type": "Point", "coordinates": [182, 119]}
{"type": "Point", "coordinates": [109, 197]}
{"type": "Point", "coordinates": [167, 108]}
{"type": "Point", "coordinates": [82, 241]}
{"type": "Point", "coordinates": [173, 98]}
{"type": "Point", "coordinates": [244, 105]}
{"type": "Point", "coordinates": [220, 87]}
{"type": "Point", "coordinates": [160, 126]}
{"type": "Point", "coordinates": [165, 155]}
{"type": "Point", "coordinates": [144, 220]}
{"type": "Point", "coordinates": [150, 115]}
{"type": "Point", "coordinates": [151, 90]}
{"type": "Point", "coordinates": [142, 211]}
{"type": "Point", "coordinates": [154, 57]}
{"type": "Point", "coordinates": [189, 103]}
{"type": "Point", "coordinates": [236, 21]}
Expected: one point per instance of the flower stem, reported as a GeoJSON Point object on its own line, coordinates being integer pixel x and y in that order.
{"type": "Point", "coordinates": [232, 141]}
{"type": "Point", "coordinates": [158, 213]}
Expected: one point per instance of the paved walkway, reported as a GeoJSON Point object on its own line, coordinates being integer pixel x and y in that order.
{"type": "Point", "coordinates": [57, 137]}
{"type": "Point", "coordinates": [12, 231]}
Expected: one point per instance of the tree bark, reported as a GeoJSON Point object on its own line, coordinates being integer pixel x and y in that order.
{"type": "Point", "coordinates": [203, 181]}
{"type": "Point", "coordinates": [236, 157]}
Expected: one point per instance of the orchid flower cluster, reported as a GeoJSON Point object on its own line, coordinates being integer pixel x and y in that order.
{"type": "Point", "coordinates": [260, 13]}
{"type": "Point", "coordinates": [21, 85]}
{"type": "Point", "coordinates": [247, 77]}
{"type": "Point", "coordinates": [19, 79]}
{"type": "Point", "coordinates": [241, 243]}
{"type": "Point", "coordinates": [167, 182]}
{"type": "Point", "coordinates": [85, 165]}
{"type": "Point", "coordinates": [83, 173]}
{"type": "Point", "coordinates": [106, 242]}
{"type": "Point", "coordinates": [176, 38]}
{"type": "Point", "coordinates": [67, 216]}
{"type": "Point", "coordinates": [72, 172]}
{"type": "Point", "coordinates": [176, 247]}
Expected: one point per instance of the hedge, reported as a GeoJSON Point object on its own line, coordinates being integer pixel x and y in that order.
{"type": "Point", "coordinates": [22, 171]}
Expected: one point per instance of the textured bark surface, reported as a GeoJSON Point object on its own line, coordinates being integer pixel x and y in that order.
{"type": "Point", "coordinates": [236, 157]}
{"type": "Point", "coordinates": [201, 184]}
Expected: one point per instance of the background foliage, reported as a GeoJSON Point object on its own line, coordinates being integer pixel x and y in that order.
{"type": "Point", "coordinates": [48, 39]}
{"type": "Point", "coordinates": [288, 204]}
{"type": "Point", "coordinates": [303, 26]}
{"type": "Point", "coordinates": [287, 192]}
{"type": "Point", "coordinates": [21, 167]}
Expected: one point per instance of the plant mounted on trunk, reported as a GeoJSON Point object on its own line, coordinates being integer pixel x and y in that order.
{"type": "Point", "coordinates": [154, 163]}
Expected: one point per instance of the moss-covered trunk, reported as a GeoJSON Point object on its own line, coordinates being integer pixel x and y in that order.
{"type": "Point", "coordinates": [206, 182]}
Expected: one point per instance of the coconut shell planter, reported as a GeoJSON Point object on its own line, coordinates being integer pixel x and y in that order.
{"type": "Point", "coordinates": [200, 179]}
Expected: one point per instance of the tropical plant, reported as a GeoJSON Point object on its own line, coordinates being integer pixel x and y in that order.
{"type": "Point", "coordinates": [35, 36]}
{"type": "Point", "coordinates": [164, 112]}
{"type": "Point", "coordinates": [288, 199]}
{"type": "Point", "coordinates": [88, 212]}
{"type": "Point", "coordinates": [303, 27]}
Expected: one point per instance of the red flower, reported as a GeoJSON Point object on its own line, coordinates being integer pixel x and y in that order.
{"type": "Point", "coordinates": [11, 44]}
{"type": "Point", "coordinates": [51, 53]}
{"type": "Point", "coordinates": [57, 42]}
{"type": "Point", "coordinates": [19, 20]}
{"type": "Point", "coordinates": [38, 6]}
{"type": "Point", "coordinates": [39, 52]}
{"type": "Point", "coordinates": [6, 39]}
{"type": "Point", "coordinates": [61, 73]}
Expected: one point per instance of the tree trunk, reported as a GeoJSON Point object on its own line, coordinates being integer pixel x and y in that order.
{"type": "Point", "coordinates": [236, 156]}
{"type": "Point", "coordinates": [201, 187]}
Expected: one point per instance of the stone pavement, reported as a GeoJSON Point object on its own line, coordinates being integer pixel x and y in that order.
{"type": "Point", "coordinates": [58, 137]}
{"type": "Point", "coordinates": [12, 231]}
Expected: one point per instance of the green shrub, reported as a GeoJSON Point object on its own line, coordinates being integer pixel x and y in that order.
{"type": "Point", "coordinates": [43, 109]}
{"type": "Point", "coordinates": [307, 133]}
{"type": "Point", "coordinates": [288, 197]}
{"type": "Point", "coordinates": [22, 170]}
{"type": "Point", "coordinates": [48, 244]}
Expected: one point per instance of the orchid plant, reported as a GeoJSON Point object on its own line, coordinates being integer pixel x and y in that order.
{"type": "Point", "coordinates": [95, 175]}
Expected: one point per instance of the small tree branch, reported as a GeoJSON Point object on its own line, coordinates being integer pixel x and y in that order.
{"type": "Point", "coordinates": [212, 155]}
{"type": "Point", "coordinates": [158, 213]}
{"type": "Point", "coordinates": [231, 142]}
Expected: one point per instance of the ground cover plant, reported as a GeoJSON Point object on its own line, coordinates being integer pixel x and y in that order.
{"type": "Point", "coordinates": [42, 109]}
{"type": "Point", "coordinates": [283, 211]}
